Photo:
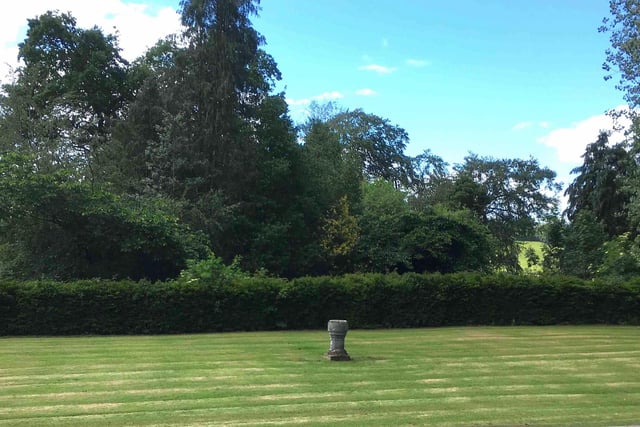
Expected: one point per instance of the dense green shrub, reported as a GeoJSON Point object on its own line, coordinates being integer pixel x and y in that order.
{"type": "Point", "coordinates": [192, 304]}
{"type": "Point", "coordinates": [53, 226]}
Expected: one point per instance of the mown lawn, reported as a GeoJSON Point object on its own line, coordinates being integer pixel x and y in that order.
{"type": "Point", "coordinates": [587, 376]}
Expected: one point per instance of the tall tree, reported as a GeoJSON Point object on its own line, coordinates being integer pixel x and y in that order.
{"type": "Point", "coordinates": [139, 148]}
{"type": "Point", "coordinates": [279, 233]}
{"type": "Point", "coordinates": [378, 144]}
{"type": "Point", "coordinates": [583, 252]}
{"type": "Point", "coordinates": [331, 183]}
{"type": "Point", "coordinates": [429, 172]}
{"type": "Point", "coordinates": [204, 130]}
{"type": "Point", "coordinates": [509, 195]}
{"type": "Point", "coordinates": [622, 57]}
{"type": "Point", "coordinates": [210, 134]}
{"type": "Point", "coordinates": [222, 77]}
{"type": "Point", "coordinates": [66, 97]}
{"type": "Point", "coordinates": [601, 185]}
{"type": "Point", "coordinates": [384, 221]}
{"type": "Point", "coordinates": [203, 99]}
{"type": "Point", "coordinates": [623, 61]}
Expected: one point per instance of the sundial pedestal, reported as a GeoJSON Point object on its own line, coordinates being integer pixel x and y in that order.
{"type": "Point", "coordinates": [337, 333]}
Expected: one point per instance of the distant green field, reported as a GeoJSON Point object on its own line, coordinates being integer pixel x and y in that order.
{"type": "Point", "coordinates": [536, 246]}
{"type": "Point", "coordinates": [586, 376]}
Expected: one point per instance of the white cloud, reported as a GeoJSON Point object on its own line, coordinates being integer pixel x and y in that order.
{"type": "Point", "coordinates": [570, 142]}
{"type": "Point", "coordinates": [303, 101]}
{"type": "Point", "coordinates": [522, 125]}
{"type": "Point", "coordinates": [322, 97]}
{"type": "Point", "coordinates": [328, 95]}
{"type": "Point", "coordinates": [418, 63]}
{"type": "Point", "coordinates": [366, 92]}
{"type": "Point", "coordinates": [139, 25]}
{"type": "Point", "coordinates": [385, 42]}
{"type": "Point", "coordinates": [300, 108]}
{"type": "Point", "coordinates": [380, 69]}
{"type": "Point", "coordinates": [530, 124]}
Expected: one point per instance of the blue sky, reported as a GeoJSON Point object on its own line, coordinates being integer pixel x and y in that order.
{"type": "Point", "coordinates": [496, 78]}
{"type": "Point", "coordinates": [501, 78]}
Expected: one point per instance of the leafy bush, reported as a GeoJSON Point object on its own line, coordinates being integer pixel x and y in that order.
{"type": "Point", "coordinates": [396, 238]}
{"type": "Point", "coordinates": [212, 270]}
{"type": "Point", "coordinates": [238, 302]}
{"type": "Point", "coordinates": [54, 227]}
{"type": "Point", "coordinates": [621, 258]}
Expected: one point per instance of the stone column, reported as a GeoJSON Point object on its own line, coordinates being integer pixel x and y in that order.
{"type": "Point", "coordinates": [337, 332]}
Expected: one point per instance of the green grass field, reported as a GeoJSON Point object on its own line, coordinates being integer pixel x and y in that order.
{"type": "Point", "coordinates": [586, 376]}
{"type": "Point", "coordinates": [522, 259]}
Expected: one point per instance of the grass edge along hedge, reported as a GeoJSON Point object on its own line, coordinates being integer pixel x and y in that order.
{"type": "Point", "coordinates": [366, 300]}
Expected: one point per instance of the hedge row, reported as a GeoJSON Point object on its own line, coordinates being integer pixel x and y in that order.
{"type": "Point", "coordinates": [366, 301]}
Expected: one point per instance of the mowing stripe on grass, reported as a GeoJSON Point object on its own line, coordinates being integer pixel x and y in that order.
{"type": "Point", "coordinates": [448, 376]}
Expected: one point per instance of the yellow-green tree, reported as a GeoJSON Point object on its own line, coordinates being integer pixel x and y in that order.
{"type": "Point", "coordinates": [340, 232]}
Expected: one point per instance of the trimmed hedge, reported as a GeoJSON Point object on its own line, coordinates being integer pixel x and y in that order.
{"type": "Point", "coordinates": [367, 301]}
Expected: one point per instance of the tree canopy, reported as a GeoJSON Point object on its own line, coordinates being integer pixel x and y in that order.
{"type": "Point", "coordinates": [117, 169]}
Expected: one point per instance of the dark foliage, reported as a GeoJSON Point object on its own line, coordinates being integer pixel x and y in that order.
{"type": "Point", "coordinates": [367, 301]}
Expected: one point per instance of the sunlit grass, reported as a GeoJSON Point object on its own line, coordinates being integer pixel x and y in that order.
{"type": "Point", "coordinates": [522, 259]}
{"type": "Point", "coordinates": [449, 376]}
